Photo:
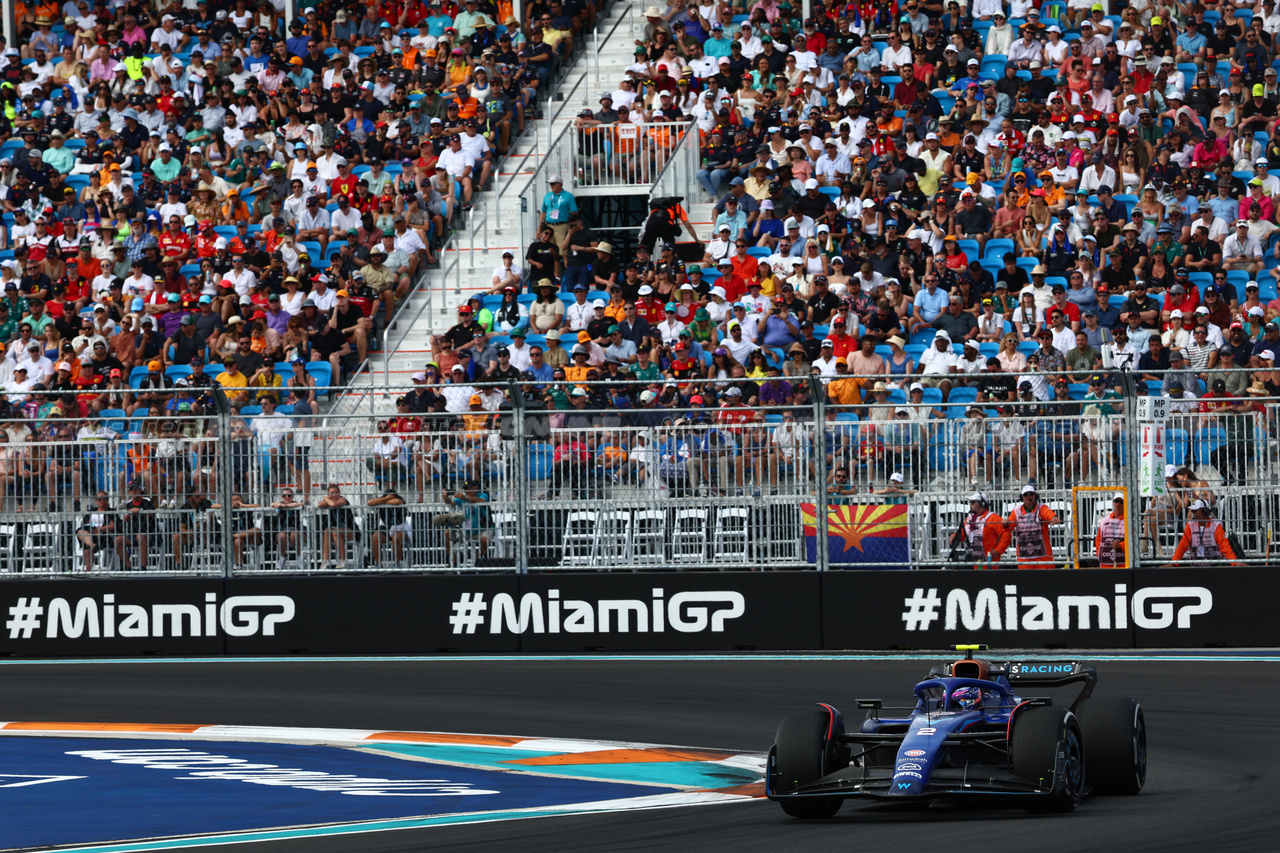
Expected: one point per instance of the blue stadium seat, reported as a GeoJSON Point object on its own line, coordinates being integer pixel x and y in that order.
{"type": "Point", "coordinates": [996, 248]}
{"type": "Point", "coordinates": [962, 395]}
{"type": "Point", "coordinates": [924, 337]}
{"type": "Point", "coordinates": [174, 372]}
{"type": "Point", "coordinates": [136, 376]}
{"type": "Point", "coordinates": [323, 373]}
{"type": "Point", "coordinates": [116, 420]}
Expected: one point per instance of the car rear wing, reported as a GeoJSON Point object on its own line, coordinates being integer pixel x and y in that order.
{"type": "Point", "coordinates": [1043, 673]}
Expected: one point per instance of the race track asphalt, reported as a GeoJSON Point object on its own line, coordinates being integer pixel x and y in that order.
{"type": "Point", "coordinates": [1213, 728]}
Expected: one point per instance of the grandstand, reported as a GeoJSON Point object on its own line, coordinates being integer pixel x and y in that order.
{"type": "Point", "coordinates": [785, 267]}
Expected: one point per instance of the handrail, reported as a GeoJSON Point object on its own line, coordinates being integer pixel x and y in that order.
{"type": "Point", "coordinates": [388, 347]}
{"type": "Point", "coordinates": [675, 161]}
{"type": "Point", "coordinates": [625, 16]}
{"type": "Point", "coordinates": [552, 116]}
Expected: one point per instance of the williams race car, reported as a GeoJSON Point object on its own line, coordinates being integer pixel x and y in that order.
{"type": "Point", "coordinates": [969, 734]}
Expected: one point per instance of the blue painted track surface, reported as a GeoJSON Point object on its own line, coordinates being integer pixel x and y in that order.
{"type": "Point", "coordinates": [118, 801]}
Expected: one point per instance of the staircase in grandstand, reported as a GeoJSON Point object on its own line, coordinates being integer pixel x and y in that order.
{"type": "Point", "coordinates": [504, 213]}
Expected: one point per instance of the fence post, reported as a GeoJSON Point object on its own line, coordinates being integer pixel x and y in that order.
{"type": "Point", "coordinates": [818, 390]}
{"type": "Point", "coordinates": [223, 417]}
{"type": "Point", "coordinates": [520, 475]}
{"type": "Point", "coordinates": [1133, 484]}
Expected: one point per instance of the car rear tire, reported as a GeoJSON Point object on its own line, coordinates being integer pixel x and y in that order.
{"type": "Point", "coordinates": [1115, 732]}
{"type": "Point", "coordinates": [1033, 751]}
{"type": "Point", "coordinates": [803, 755]}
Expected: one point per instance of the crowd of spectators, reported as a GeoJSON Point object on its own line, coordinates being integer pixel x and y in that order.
{"type": "Point", "coordinates": [1019, 203]}
{"type": "Point", "coordinates": [216, 193]}
{"type": "Point", "coordinates": [200, 180]}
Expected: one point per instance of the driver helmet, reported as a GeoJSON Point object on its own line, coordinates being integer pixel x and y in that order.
{"type": "Point", "coordinates": [966, 698]}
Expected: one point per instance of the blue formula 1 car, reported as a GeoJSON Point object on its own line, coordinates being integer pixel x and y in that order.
{"type": "Point", "coordinates": [969, 734]}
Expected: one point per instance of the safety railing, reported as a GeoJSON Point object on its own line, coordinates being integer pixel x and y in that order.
{"type": "Point", "coordinates": [627, 16]}
{"type": "Point", "coordinates": [679, 173]}
{"type": "Point", "coordinates": [528, 201]}
{"type": "Point", "coordinates": [626, 156]}
{"type": "Point", "coordinates": [800, 472]}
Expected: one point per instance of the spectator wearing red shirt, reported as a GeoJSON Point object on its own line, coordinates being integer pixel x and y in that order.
{"type": "Point", "coordinates": [734, 416]}
{"type": "Point", "coordinates": [649, 308]}
{"type": "Point", "coordinates": [734, 285]}
{"type": "Point", "coordinates": [1069, 309]}
{"type": "Point", "coordinates": [345, 183]}
{"type": "Point", "coordinates": [206, 240]}
{"type": "Point", "coordinates": [1179, 297]}
{"type": "Point", "coordinates": [842, 342]}
{"type": "Point", "coordinates": [404, 422]}
{"type": "Point", "coordinates": [175, 243]}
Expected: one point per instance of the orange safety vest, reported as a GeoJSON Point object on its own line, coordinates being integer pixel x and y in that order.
{"type": "Point", "coordinates": [1110, 542]}
{"type": "Point", "coordinates": [986, 536]}
{"type": "Point", "coordinates": [1205, 543]}
{"type": "Point", "coordinates": [1032, 528]}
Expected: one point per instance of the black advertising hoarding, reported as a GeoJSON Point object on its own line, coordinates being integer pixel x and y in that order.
{"type": "Point", "coordinates": [397, 614]}
{"type": "Point", "coordinates": [639, 611]}
{"type": "Point", "coordinates": [92, 618]}
{"type": "Point", "coordinates": [1004, 609]}
{"type": "Point", "coordinates": [1193, 608]}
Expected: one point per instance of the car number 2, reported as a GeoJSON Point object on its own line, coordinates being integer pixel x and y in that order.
{"type": "Point", "coordinates": [926, 731]}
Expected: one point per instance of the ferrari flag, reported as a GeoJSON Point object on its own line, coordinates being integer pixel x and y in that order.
{"type": "Point", "coordinates": [868, 536]}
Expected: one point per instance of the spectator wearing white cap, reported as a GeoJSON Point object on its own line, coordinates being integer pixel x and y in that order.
{"type": "Point", "coordinates": [826, 361]}
{"type": "Point", "coordinates": [832, 167]}
{"type": "Point", "coordinates": [1000, 35]}
{"type": "Point", "coordinates": [938, 361]}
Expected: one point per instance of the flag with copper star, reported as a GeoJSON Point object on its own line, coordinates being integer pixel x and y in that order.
{"type": "Point", "coordinates": [868, 536]}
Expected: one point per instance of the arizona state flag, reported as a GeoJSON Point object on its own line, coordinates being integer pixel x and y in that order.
{"type": "Point", "coordinates": [869, 536]}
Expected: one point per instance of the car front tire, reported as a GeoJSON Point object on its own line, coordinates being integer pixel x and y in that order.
{"type": "Point", "coordinates": [803, 755]}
